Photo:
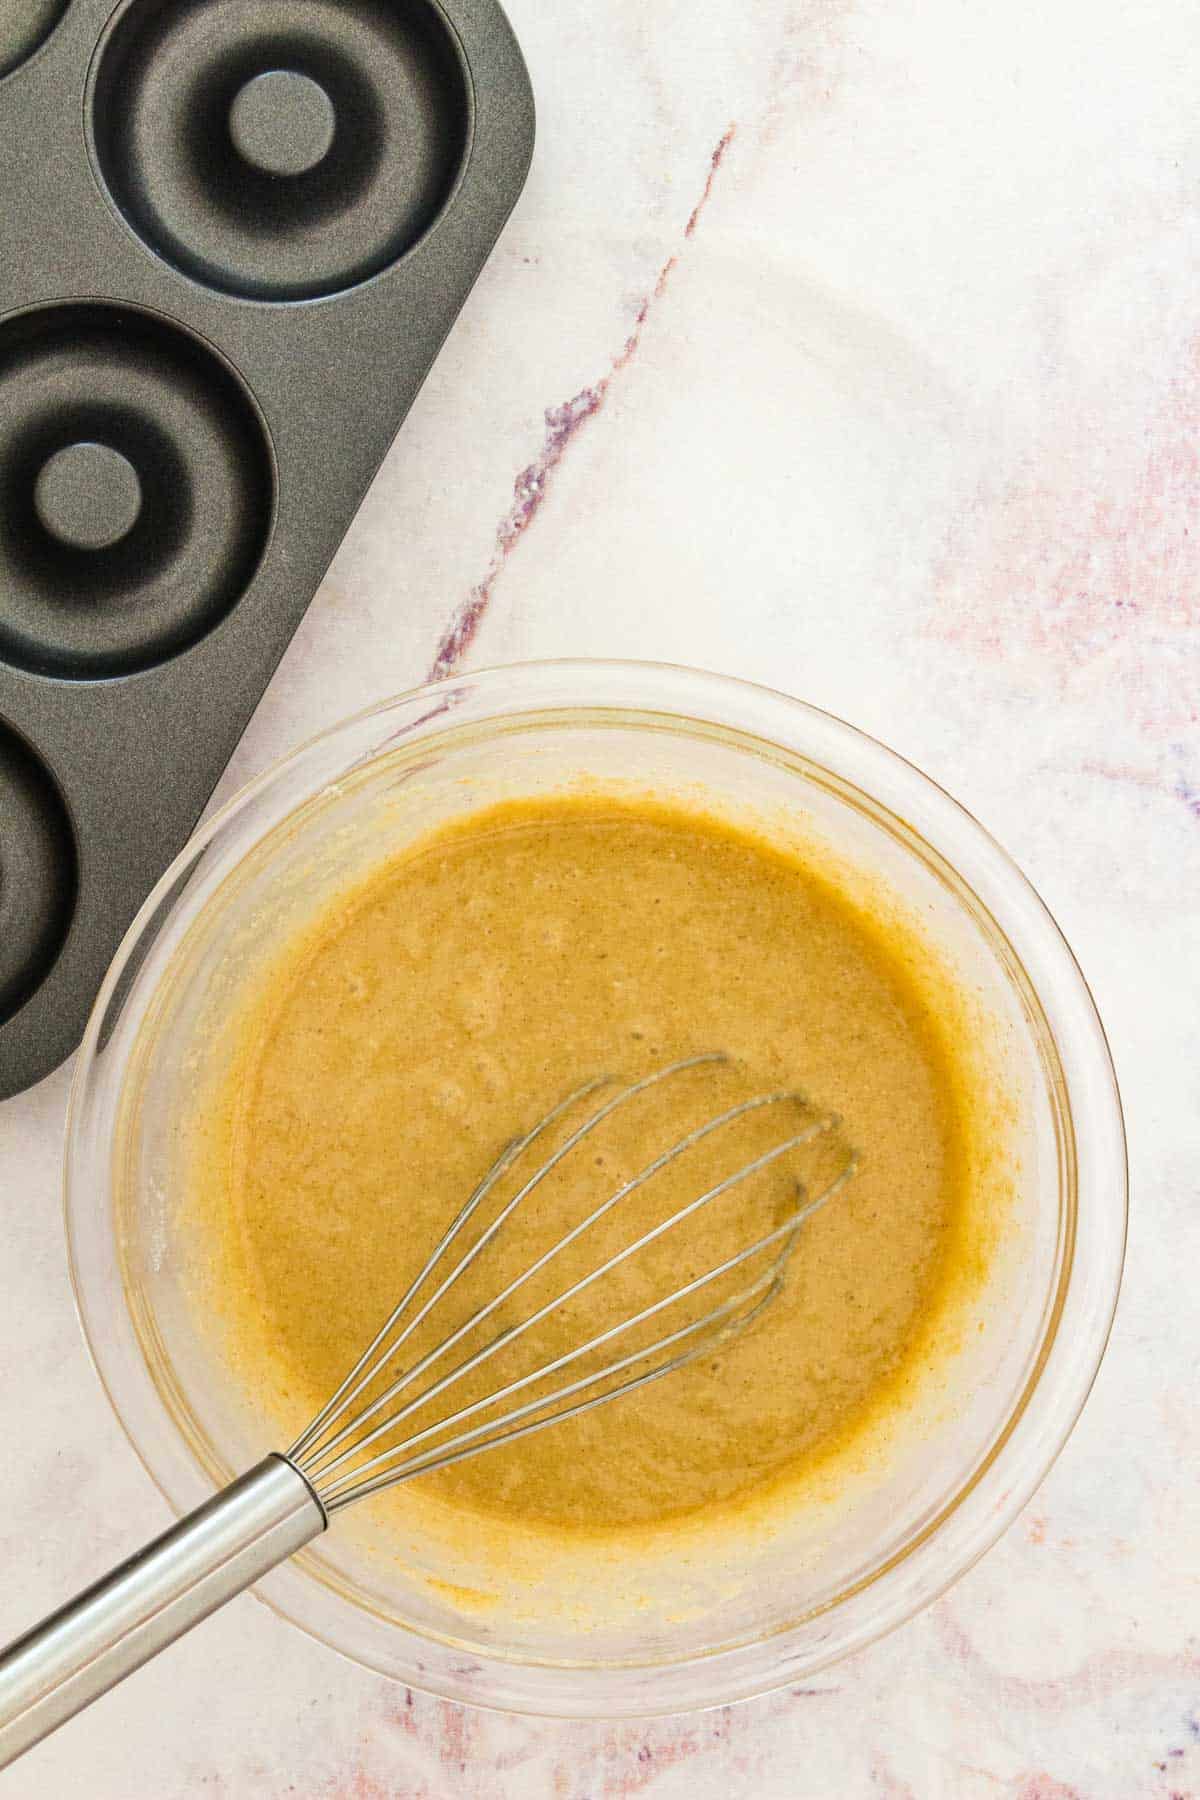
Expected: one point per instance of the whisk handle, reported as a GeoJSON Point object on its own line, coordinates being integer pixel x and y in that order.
{"type": "Point", "coordinates": [113, 1627]}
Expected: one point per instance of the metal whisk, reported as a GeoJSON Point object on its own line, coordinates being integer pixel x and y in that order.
{"type": "Point", "coordinates": [367, 1437]}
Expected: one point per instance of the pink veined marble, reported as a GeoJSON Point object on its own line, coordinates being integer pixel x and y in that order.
{"type": "Point", "coordinates": [854, 348]}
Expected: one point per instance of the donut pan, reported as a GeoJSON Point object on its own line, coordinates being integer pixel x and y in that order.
{"type": "Point", "coordinates": [233, 234]}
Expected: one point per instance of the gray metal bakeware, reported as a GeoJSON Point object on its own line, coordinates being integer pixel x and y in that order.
{"type": "Point", "coordinates": [233, 235]}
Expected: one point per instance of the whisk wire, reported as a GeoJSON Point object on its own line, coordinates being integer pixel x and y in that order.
{"type": "Point", "coordinates": [318, 1465]}
{"type": "Point", "coordinates": [507, 1430]}
{"type": "Point", "coordinates": [330, 1452]}
{"type": "Point", "coordinates": [347, 1486]}
{"type": "Point", "coordinates": [484, 1312]}
{"type": "Point", "coordinates": [361, 1375]}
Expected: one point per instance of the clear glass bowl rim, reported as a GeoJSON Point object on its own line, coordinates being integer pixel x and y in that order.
{"type": "Point", "coordinates": [1037, 1428]}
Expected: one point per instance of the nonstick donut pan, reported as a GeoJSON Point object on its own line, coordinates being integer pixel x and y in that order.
{"type": "Point", "coordinates": [233, 234]}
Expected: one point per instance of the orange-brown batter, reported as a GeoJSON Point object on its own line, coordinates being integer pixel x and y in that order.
{"type": "Point", "coordinates": [441, 1007]}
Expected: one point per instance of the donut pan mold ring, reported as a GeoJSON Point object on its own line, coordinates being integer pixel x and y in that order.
{"type": "Point", "coordinates": [233, 235]}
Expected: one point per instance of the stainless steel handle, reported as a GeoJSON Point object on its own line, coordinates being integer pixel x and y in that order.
{"type": "Point", "coordinates": [113, 1627]}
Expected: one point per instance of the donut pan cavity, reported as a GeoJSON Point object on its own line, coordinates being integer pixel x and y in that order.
{"type": "Point", "coordinates": [233, 234]}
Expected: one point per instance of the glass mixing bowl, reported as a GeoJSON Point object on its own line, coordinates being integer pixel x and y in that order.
{"type": "Point", "coordinates": [816, 1587]}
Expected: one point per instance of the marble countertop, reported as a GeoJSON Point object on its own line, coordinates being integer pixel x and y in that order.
{"type": "Point", "coordinates": [851, 345]}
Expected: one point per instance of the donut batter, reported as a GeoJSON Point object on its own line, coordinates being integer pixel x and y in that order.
{"type": "Point", "coordinates": [444, 1004]}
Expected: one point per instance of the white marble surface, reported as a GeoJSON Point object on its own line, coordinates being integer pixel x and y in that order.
{"type": "Point", "coordinates": [851, 345]}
